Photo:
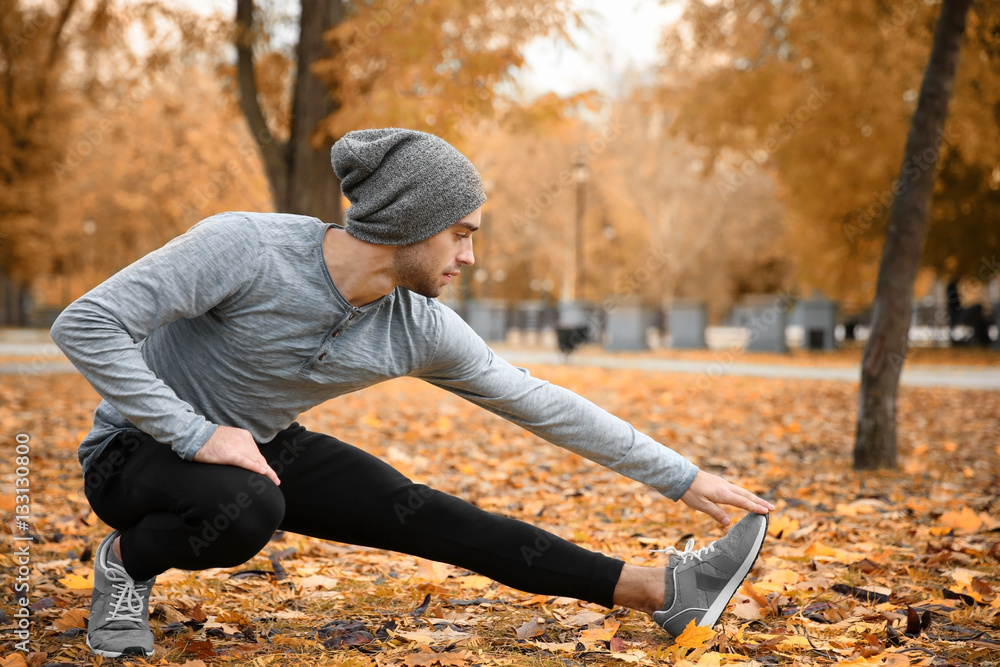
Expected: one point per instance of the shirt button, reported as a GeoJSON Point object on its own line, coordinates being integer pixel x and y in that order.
{"type": "Point", "coordinates": [322, 356]}
{"type": "Point", "coordinates": [352, 316]}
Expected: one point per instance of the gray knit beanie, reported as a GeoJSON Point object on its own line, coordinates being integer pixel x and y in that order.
{"type": "Point", "coordinates": [404, 186]}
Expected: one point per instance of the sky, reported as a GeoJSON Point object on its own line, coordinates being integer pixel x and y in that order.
{"type": "Point", "coordinates": [619, 36]}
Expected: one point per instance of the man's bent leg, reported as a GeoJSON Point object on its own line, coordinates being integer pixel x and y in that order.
{"type": "Point", "coordinates": [177, 513]}
{"type": "Point", "coordinates": [170, 513]}
{"type": "Point", "coordinates": [336, 491]}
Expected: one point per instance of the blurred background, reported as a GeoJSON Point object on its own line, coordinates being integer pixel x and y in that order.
{"type": "Point", "coordinates": [706, 162]}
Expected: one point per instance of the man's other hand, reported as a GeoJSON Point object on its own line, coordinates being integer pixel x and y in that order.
{"type": "Point", "coordinates": [708, 491]}
{"type": "Point", "coordinates": [235, 447]}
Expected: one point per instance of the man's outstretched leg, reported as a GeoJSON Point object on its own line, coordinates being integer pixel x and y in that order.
{"type": "Point", "coordinates": [335, 491]}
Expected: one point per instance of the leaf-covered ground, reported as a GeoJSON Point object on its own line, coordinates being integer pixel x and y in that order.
{"type": "Point", "coordinates": [860, 569]}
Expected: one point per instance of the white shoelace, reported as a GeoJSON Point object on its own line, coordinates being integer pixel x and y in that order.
{"type": "Point", "coordinates": [128, 603]}
{"type": "Point", "coordinates": [688, 552]}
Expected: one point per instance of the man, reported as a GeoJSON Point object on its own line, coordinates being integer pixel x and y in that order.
{"type": "Point", "coordinates": [206, 350]}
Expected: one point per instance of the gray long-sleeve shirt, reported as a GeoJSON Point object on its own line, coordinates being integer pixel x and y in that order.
{"type": "Point", "coordinates": [238, 322]}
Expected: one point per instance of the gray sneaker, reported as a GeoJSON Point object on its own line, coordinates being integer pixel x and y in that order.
{"type": "Point", "coordinates": [701, 583]}
{"type": "Point", "coordinates": [119, 608]}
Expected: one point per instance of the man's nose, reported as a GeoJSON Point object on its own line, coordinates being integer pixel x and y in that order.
{"type": "Point", "coordinates": [466, 257]}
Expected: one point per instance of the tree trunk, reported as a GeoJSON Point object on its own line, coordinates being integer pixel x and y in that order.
{"type": "Point", "coordinates": [313, 188]}
{"type": "Point", "coordinates": [299, 172]}
{"type": "Point", "coordinates": [875, 442]}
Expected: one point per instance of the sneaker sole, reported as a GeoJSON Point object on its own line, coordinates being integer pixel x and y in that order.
{"type": "Point", "coordinates": [127, 651]}
{"type": "Point", "coordinates": [711, 617]}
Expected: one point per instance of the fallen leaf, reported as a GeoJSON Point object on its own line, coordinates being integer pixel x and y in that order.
{"type": "Point", "coordinates": [530, 629]}
{"type": "Point", "coordinates": [228, 616]}
{"type": "Point", "coordinates": [443, 659]}
{"type": "Point", "coordinates": [199, 648]}
{"type": "Point", "coordinates": [317, 581]}
{"type": "Point", "coordinates": [198, 614]}
{"type": "Point", "coordinates": [78, 582]}
{"type": "Point", "coordinates": [421, 608]}
{"type": "Point", "coordinates": [429, 637]}
{"type": "Point", "coordinates": [788, 641]}
{"type": "Point", "coordinates": [560, 647]}
{"type": "Point", "coordinates": [357, 638]}
{"type": "Point", "coordinates": [432, 571]}
{"type": "Point", "coordinates": [781, 525]}
{"type": "Point", "coordinates": [694, 636]}
{"type": "Point", "coordinates": [601, 634]}
{"type": "Point", "coordinates": [583, 618]}
{"type": "Point", "coordinates": [72, 618]}
{"type": "Point", "coordinates": [751, 591]}
{"type": "Point", "coordinates": [710, 659]}
{"type": "Point", "coordinates": [897, 660]}
{"type": "Point", "coordinates": [475, 582]}
{"type": "Point", "coordinates": [820, 550]}
{"type": "Point", "coordinates": [746, 607]}
{"type": "Point", "coordinates": [964, 520]}
{"type": "Point", "coordinates": [782, 577]}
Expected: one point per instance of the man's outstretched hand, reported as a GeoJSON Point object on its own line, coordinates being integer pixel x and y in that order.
{"type": "Point", "coordinates": [235, 447]}
{"type": "Point", "coordinates": [708, 491]}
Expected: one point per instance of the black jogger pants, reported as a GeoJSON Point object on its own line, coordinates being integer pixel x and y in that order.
{"type": "Point", "coordinates": [174, 513]}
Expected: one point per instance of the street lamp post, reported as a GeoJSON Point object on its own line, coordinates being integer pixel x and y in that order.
{"type": "Point", "coordinates": [573, 325]}
{"type": "Point", "coordinates": [581, 173]}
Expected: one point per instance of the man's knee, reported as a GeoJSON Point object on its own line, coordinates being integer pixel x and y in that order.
{"type": "Point", "coordinates": [237, 524]}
